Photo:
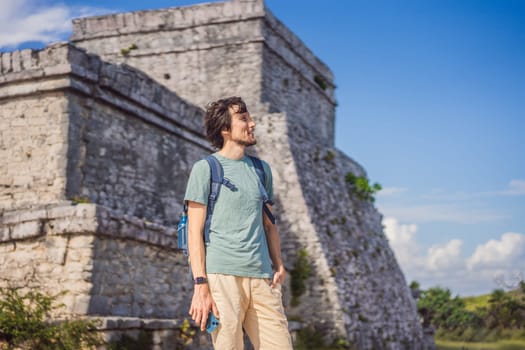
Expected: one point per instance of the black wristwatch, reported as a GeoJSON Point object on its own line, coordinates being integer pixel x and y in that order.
{"type": "Point", "coordinates": [200, 280]}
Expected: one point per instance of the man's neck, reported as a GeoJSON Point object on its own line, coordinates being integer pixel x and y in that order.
{"type": "Point", "coordinates": [232, 151]}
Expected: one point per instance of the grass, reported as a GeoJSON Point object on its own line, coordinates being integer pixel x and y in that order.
{"type": "Point", "coordinates": [479, 301]}
{"type": "Point", "coordinates": [499, 345]}
{"type": "Point", "coordinates": [473, 303]}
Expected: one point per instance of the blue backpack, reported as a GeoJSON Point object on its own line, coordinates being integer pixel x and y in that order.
{"type": "Point", "coordinates": [217, 179]}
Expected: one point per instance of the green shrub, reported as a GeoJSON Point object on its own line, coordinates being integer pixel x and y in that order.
{"type": "Point", "coordinates": [320, 82]}
{"type": "Point", "coordinates": [25, 323]}
{"type": "Point", "coordinates": [311, 338]}
{"type": "Point", "coordinates": [486, 318]}
{"type": "Point", "coordinates": [362, 187]}
{"type": "Point", "coordinates": [127, 50]}
{"type": "Point", "coordinates": [80, 200]}
{"type": "Point", "coordinates": [299, 274]}
{"type": "Point", "coordinates": [414, 285]}
{"type": "Point", "coordinates": [329, 156]}
{"type": "Point", "coordinates": [187, 332]}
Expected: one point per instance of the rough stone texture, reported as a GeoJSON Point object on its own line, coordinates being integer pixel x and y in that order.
{"type": "Point", "coordinates": [78, 128]}
{"type": "Point", "coordinates": [94, 131]}
{"type": "Point", "coordinates": [357, 287]}
{"type": "Point", "coordinates": [239, 46]}
{"type": "Point", "coordinates": [185, 48]}
{"type": "Point", "coordinates": [33, 145]}
{"type": "Point", "coordinates": [164, 334]}
{"type": "Point", "coordinates": [111, 264]}
{"type": "Point", "coordinates": [296, 82]}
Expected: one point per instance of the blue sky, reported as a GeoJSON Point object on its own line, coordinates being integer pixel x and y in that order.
{"type": "Point", "coordinates": [431, 101]}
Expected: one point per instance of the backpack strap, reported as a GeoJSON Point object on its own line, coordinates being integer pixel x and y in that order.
{"type": "Point", "coordinates": [259, 169]}
{"type": "Point", "coordinates": [216, 180]}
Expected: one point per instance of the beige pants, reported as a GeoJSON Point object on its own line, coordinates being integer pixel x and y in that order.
{"type": "Point", "coordinates": [249, 303]}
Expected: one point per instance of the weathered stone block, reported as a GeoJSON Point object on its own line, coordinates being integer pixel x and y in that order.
{"type": "Point", "coordinates": [26, 230]}
{"type": "Point", "coordinates": [81, 241]}
{"type": "Point", "coordinates": [32, 215]}
{"type": "Point", "coordinates": [57, 212]}
{"type": "Point", "coordinates": [81, 305]}
{"type": "Point", "coordinates": [57, 255]}
{"type": "Point", "coordinates": [5, 233]}
{"type": "Point", "coordinates": [121, 310]}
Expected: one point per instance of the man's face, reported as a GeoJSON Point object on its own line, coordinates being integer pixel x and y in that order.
{"type": "Point", "coordinates": [242, 127]}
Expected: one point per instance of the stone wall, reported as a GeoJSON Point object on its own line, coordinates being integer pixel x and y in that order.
{"type": "Point", "coordinates": [33, 149]}
{"type": "Point", "coordinates": [33, 129]}
{"type": "Point", "coordinates": [296, 82]}
{"type": "Point", "coordinates": [90, 130]}
{"type": "Point", "coordinates": [357, 287]}
{"type": "Point", "coordinates": [110, 264]}
{"type": "Point", "coordinates": [76, 128]}
{"type": "Point", "coordinates": [379, 311]}
{"type": "Point", "coordinates": [298, 231]}
{"type": "Point", "coordinates": [185, 48]}
{"type": "Point", "coordinates": [209, 51]}
{"type": "Point", "coordinates": [114, 268]}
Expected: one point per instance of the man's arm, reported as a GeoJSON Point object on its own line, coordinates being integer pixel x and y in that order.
{"type": "Point", "coordinates": [202, 302]}
{"type": "Point", "coordinates": [274, 247]}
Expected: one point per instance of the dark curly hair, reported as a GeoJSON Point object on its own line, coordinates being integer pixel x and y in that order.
{"type": "Point", "coordinates": [218, 118]}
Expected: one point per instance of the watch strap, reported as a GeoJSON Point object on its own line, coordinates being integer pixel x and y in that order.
{"type": "Point", "coordinates": [200, 280]}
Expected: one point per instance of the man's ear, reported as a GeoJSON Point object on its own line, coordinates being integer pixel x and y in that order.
{"type": "Point", "coordinates": [225, 132]}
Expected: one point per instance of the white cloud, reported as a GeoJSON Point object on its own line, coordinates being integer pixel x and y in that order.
{"type": "Point", "coordinates": [444, 264]}
{"type": "Point", "coordinates": [391, 191]}
{"type": "Point", "coordinates": [445, 256]}
{"type": "Point", "coordinates": [402, 240]}
{"type": "Point", "coordinates": [497, 254]}
{"type": "Point", "coordinates": [516, 188]}
{"type": "Point", "coordinates": [30, 20]}
{"type": "Point", "coordinates": [441, 212]}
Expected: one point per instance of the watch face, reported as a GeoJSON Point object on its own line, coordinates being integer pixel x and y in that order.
{"type": "Point", "coordinates": [200, 280]}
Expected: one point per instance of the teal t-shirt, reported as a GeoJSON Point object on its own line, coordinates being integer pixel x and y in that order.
{"type": "Point", "coordinates": [237, 243]}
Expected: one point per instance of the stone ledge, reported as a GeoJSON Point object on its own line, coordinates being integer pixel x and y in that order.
{"type": "Point", "coordinates": [82, 219]}
{"type": "Point", "coordinates": [136, 323]}
{"type": "Point", "coordinates": [123, 323]}
{"type": "Point", "coordinates": [133, 23]}
{"type": "Point", "coordinates": [165, 19]}
{"type": "Point", "coordinates": [64, 67]}
{"type": "Point", "coordinates": [179, 18]}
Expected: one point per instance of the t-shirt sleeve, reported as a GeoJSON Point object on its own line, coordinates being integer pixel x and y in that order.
{"type": "Point", "coordinates": [269, 180]}
{"type": "Point", "coordinates": [198, 188]}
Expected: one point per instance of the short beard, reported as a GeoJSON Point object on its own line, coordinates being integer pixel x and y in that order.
{"type": "Point", "coordinates": [246, 144]}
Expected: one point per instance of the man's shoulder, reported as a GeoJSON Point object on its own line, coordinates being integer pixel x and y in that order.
{"type": "Point", "coordinates": [201, 163]}
{"type": "Point", "coordinates": [201, 166]}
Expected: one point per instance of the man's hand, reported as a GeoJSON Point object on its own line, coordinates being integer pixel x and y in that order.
{"type": "Point", "coordinates": [278, 276]}
{"type": "Point", "coordinates": [274, 247]}
{"type": "Point", "coordinates": [201, 304]}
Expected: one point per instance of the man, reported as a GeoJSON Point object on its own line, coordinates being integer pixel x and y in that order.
{"type": "Point", "coordinates": [239, 272]}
